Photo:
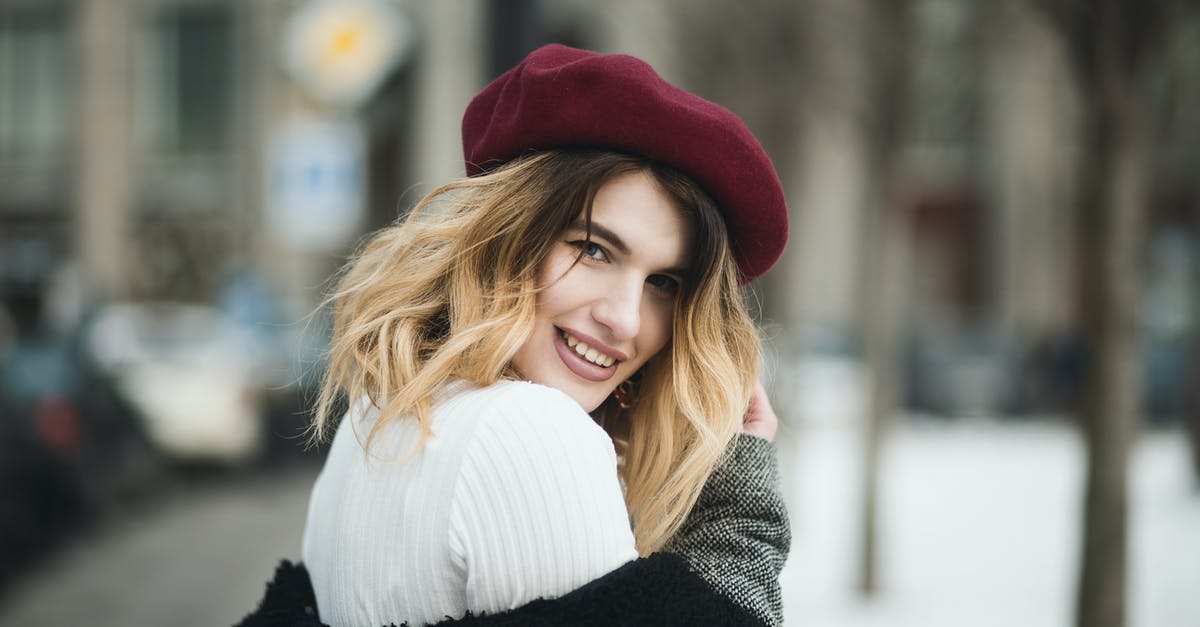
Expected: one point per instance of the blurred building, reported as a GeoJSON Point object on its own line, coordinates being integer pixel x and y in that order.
{"type": "Point", "coordinates": [139, 144]}
{"type": "Point", "coordinates": [127, 149]}
{"type": "Point", "coordinates": [137, 137]}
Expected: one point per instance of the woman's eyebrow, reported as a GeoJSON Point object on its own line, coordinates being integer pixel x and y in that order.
{"type": "Point", "coordinates": [618, 243]}
{"type": "Point", "coordinates": [606, 233]}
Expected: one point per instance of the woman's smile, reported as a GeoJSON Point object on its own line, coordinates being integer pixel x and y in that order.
{"type": "Point", "coordinates": [583, 359]}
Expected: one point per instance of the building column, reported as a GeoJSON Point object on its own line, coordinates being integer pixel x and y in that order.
{"type": "Point", "coordinates": [103, 197]}
{"type": "Point", "coordinates": [449, 72]}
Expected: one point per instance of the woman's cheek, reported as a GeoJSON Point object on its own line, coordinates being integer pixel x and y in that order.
{"type": "Point", "coordinates": [556, 265]}
{"type": "Point", "coordinates": [662, 321]}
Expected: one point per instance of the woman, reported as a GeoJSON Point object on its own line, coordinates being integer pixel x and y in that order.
{"type": "Point", "coordinates": [546, 352]}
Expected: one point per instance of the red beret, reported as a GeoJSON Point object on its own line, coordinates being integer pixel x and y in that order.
{"type": "Point", "coordinates": [559, 96]}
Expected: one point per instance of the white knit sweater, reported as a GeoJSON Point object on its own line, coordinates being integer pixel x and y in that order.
{"type": "Point", "coordinates": [515, 497]}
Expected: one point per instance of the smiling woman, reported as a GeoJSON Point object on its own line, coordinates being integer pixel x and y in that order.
{"type": "Point", "coordinates": [549, 365]}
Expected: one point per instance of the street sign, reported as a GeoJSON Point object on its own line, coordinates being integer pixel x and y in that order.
{"type": "Point", "coordinates": [315, 198]}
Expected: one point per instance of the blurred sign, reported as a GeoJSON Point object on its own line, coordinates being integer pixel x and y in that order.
{"type": "Point", "coordinates": [340, 50]}
{"type": "Point", "coordinates": [315, 183]}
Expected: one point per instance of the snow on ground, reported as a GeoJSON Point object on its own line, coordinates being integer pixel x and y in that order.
{"type": "Point", "coordinates": [980, 526]}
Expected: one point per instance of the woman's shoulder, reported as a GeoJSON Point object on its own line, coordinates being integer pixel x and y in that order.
{"type": "Point", "coordinates": [513, 391]}
{"type": "Point", "coordinates": [516, 416]}
{"type": "Point", "coordinates": [527, 404]}
{"type": "Point", "coordinates": [538, 480]}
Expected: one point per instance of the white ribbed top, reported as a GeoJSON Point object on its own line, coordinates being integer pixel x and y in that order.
{"type": "Point", "coordinates": [515, 497]}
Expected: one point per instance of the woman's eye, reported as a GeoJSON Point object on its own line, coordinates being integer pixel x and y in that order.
{"type": "Point", "coordinates": [594, 251]}
{"type": "Point", "coordinates": [591, 250]}
{"type": "Point", "coordinates": [663, 283]}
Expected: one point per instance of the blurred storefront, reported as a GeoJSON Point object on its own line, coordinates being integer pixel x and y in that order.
{"type": "Point", "coordinates": [155, 149]}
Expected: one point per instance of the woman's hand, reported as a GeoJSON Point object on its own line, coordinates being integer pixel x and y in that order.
{"type": "Point", "coordinates": [760, 419]}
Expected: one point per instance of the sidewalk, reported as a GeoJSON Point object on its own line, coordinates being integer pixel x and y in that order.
{"type": "Point", "coordinates": [200, 559]}
{"type": "Point", "coordinates": [979, 526]}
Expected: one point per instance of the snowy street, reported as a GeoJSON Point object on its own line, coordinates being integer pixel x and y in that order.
{"type": "Point", "coordinates": [980, 526]}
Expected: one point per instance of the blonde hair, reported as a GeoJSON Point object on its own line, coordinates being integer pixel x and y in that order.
{"type": "Point", "coordinates": [449, 292]}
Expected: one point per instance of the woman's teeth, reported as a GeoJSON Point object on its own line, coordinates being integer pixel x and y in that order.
{"type": "Point", "coordinates": [587, 352]}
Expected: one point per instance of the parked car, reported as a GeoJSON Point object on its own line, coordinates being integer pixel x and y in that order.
{"type": "Point", "coordinates": [41, 497]}
{"type": "Point", "coordinates": [191, 375]}
{"type": "Point", "coordinates": [53, 456]}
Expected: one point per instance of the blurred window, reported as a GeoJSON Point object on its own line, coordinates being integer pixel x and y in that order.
{"type": "Point", "coordinates": [947, 52]}
{"type": "Point", "coordinates": [189, 77]}
{"type": "Point", "coordinates": [34, 104]}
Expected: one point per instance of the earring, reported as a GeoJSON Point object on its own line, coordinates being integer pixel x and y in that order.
{"type": "Point", "coordinates": [626, 393]}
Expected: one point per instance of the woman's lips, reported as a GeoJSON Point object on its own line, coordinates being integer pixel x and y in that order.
{"type": "Point", "coordinates": [578, 365]}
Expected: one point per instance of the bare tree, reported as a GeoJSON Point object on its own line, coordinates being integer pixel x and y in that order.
{"type": "Point", "coordinates": [888, 85]}
{"type": "Point", "coordinates": [1109, 44]}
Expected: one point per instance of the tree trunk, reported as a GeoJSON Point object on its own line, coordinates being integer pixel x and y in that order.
{"type": "Point", "coordinates": [1110, 226]}
{"type": "Point", "coordinates": [1109, 42]}
{"type": "Point", "coordinates": [882, 268]}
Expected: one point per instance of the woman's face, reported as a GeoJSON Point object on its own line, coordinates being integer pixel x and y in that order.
{"type": "Point", "coordinates": [601, 319]}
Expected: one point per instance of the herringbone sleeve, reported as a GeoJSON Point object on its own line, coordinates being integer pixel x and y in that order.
{"type": "Point", "coordinates": [737, 536]}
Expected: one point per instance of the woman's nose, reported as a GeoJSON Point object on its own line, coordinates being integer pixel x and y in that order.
{"type": "Point", "coordinates": [619, 309]}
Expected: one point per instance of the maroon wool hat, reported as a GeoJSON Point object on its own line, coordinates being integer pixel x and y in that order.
{"type": "Point", "coordinates": [560, 97]}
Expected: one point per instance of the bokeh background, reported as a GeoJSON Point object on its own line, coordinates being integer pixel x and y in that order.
{"type": "Point", "coordinates": [983, 337]}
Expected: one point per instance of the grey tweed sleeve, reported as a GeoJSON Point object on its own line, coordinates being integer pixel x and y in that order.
{"type": "Point", "coordinates": [737, 536]}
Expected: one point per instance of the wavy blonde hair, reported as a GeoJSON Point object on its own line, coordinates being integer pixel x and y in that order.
{"type": "Point", "coordinates": [449, 293]}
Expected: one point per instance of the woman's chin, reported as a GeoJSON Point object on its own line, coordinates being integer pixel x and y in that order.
{"type": "Point", "coordinates": [588, 396]}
